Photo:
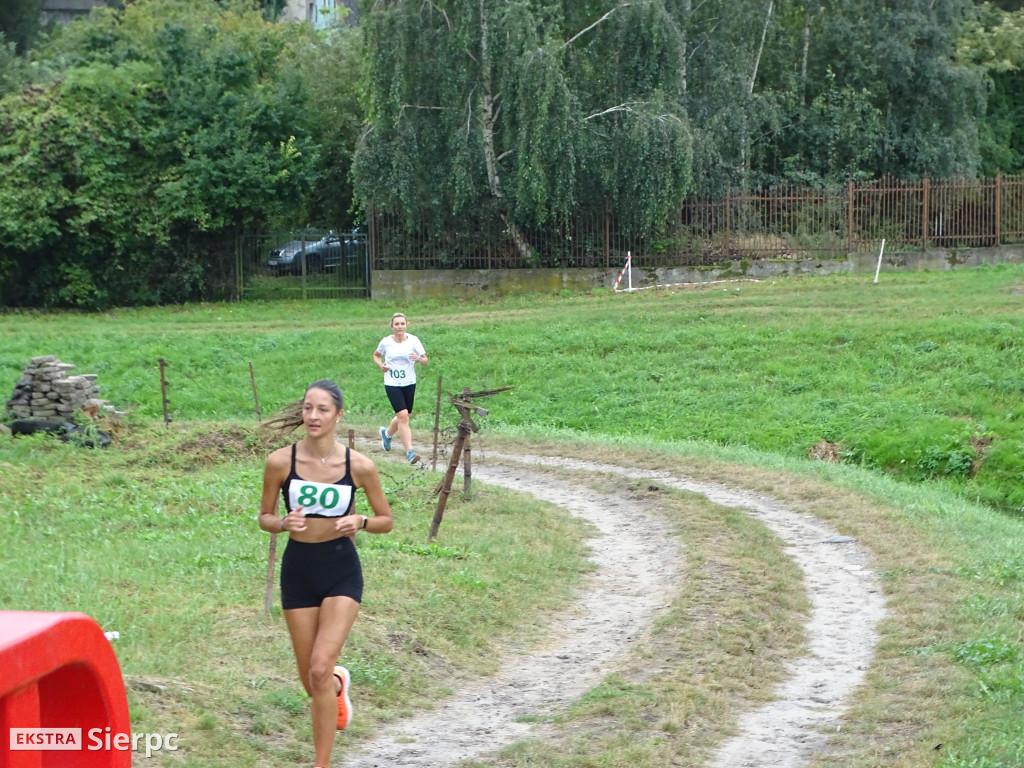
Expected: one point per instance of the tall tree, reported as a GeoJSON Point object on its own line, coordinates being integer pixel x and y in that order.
{"type": "Point", "coordinates": [167, 121]}
{"type": "Point", "coordinates": [902, 53]}
{"type": "Point", "coordinates": [728, 48]}
{"type": "Point", "coordinates": [15, 71]}
{"type": "Point", "coordinates": [1005, 5]}
{"type": "Point", "coordinates": [332, 70]}
{"type": "Point", "coordinates": [514, 107]}
{"type": "Point", "coordinates": [19, 22]}
{"type": "Point", "coordinates": [994, 40]}
{"type": "Point", "coordinates": [875, 80]}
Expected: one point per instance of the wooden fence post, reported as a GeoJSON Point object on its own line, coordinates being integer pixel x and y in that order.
{"type": "Point", "coordinates": [467, 468]}
{"type": "Point", "coordinates": [255, 396]}
{"type": "Point", "coordinates": [268, 593]}
{"type": "Point", "coordinates": [464, 405]}
{"type": "Point", "coordinates": [446, 484]}
{"type": "Point", "coordinates": [163, 391]}
{"type": "Point", "coordinates": [437, 418]}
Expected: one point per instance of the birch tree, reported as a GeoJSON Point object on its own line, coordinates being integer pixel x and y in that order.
{"type": "Point", "coordinates": [520, 110]}
{"type": "Point", "coordinates": [900, 56]}
{"type": "Point", "coordinates": [820, 90]}
{"type": "Point", "coordinates": [994, 40]}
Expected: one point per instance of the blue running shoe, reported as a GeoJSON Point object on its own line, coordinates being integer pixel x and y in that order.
{"type": "Point", "coordinates": [412, 456]}
{"type": "Point", "coordinates": [385, 439]}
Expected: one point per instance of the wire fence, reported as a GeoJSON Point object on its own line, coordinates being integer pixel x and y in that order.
{"type": "Point", "coordinates": [778, 223]}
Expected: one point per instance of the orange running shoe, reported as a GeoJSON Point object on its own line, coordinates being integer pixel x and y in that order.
{"type": "Point", "coordinates": [344, 704]}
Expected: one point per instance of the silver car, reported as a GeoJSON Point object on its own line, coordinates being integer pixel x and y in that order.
{"type": "Point", "coordinates": [320, 255]}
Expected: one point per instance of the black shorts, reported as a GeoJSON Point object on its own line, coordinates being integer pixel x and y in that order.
{"type": "Point", "coordinates": [312, 572]}
{"type": "Point", "coordinates": [401, 397]}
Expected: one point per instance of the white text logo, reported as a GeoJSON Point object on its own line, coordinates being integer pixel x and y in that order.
{"type": "Point", "coordinates": [96, 739]}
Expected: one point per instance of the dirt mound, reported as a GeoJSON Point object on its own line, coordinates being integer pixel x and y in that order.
{"type": "Point", "coordinates": [232, 442]}
{"type": "Point", "coordinates": [825, 451]}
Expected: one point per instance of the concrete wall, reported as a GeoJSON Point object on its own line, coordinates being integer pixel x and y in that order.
{"type": "Point", "coordinates": [402, 285]}
{"type": "Point", "coordinates": [64, 11]}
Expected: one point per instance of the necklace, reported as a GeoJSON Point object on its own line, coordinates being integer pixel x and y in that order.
{"type": "Point", "coordinates": [323, 459]}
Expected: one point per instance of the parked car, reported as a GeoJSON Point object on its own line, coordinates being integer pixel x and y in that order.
{"type": "Point", "coordinates": [320, 255]}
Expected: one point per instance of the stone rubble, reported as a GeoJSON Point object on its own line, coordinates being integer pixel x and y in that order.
{"type": "Point", "coordinates": [46, 392]}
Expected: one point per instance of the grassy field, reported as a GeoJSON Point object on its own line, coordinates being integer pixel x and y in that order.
{"type": "Point", "coordinates": [920, 376]}
{"type": "Point", "coordinates": [916, 384]}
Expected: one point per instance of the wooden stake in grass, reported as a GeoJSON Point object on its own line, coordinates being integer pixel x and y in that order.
{"type": "Point", "coordinates": [446, 485]}
{"type": "Point", "coordinates": [437, 417]}
{"type": "Point", "coordinates": [163, 391]}
{"type": "Point", "coordinates": [464, 405]}
{"type": "Point", "coordinates": [268, 596]}
{"type": "Point", "coordinates": [255, 396]}
{"type": "Point", "coordinates": [467, 468]}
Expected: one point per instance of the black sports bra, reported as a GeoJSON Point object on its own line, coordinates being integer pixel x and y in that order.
{"type": "Point", "coordinates": [319, 499]}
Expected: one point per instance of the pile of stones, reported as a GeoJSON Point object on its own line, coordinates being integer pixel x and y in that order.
{"type": "Point", "coordinates": [46, 392]}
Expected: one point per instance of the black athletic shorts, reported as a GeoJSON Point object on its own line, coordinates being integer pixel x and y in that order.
{"type": "Point", "coordinates": [401, 397]}
{"type": "Point", "coordinates": [312, 572]}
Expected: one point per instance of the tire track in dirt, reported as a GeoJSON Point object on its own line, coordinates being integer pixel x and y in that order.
{"type": "Point", "coordinates": [615, 606]}
{"type": "Point", "coordinates": [634, 580]}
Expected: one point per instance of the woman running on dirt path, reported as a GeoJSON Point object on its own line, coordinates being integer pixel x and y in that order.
{"type": "Point", "coordinates": [396, 356]}
{"type": "Point", "coordinates": [321, 576]}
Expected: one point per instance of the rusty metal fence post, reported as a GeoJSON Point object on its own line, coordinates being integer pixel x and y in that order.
{"type": "Point", "coordinates": [998, 205]}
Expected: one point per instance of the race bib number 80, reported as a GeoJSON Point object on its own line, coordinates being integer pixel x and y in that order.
{"type": "Point", "coordinates": [324, 499]}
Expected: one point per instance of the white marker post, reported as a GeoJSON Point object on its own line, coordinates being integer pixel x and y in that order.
{"type": "Point", "coordinates": [880, 252]}
{"type": "Point", "coordinates": [629, 271]}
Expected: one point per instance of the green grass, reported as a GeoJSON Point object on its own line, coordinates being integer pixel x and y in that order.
{"type": "Point", "coordinates": [918, 381]}
{"type": "Point", "coordinates": [156, 539]}
{"type": "Point", "coordinates": [921, 375]}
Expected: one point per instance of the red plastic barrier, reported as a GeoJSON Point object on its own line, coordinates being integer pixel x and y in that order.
{"type": "Point", "coordinates": [57, 670]}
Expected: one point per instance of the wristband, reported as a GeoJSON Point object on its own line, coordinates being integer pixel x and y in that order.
{"type": "Point", "coordinates": [363, 526]}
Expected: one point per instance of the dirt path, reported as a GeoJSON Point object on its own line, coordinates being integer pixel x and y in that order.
{"type": "Point", "coordinates": [633, 582]}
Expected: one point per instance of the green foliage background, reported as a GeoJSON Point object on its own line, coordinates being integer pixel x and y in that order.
{"type": "Point", "coordinates": [160, 132]}
{"type": "Point", "coordinates": [140, 141]}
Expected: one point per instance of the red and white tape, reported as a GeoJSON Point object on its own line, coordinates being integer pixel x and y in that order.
{"type": "Point", "coordinates": [629, 259]}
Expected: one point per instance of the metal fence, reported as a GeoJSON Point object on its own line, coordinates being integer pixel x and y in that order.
{"type": "Point", "coordinates": [781, 222]}
{"type": "Point", "coordinates": [302, 264]}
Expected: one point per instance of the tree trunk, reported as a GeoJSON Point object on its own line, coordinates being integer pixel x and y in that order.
{"type": "Point", "coordinates": [687, 11]}
{"type": "Point", "coordinates": [487, 122]}
{"type": "Point", "coordinates": [760, 50]}
{"type": "Point", "coordinates": [807, 48]}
